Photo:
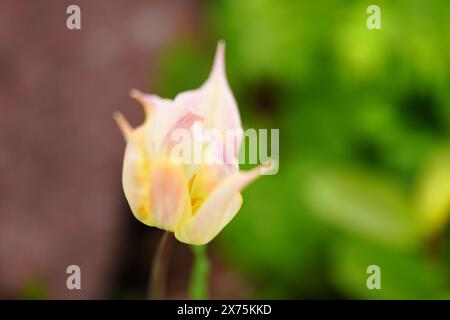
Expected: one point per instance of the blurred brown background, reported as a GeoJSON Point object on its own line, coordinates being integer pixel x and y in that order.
{"type": "Point", "coordinates": [61, 153]}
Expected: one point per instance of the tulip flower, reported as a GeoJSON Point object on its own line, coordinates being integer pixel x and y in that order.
{"type": "Point", "coordinates": [194, 201]}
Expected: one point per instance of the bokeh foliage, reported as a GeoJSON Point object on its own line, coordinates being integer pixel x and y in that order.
{"type": "Point", "coordinates": [364, 119]}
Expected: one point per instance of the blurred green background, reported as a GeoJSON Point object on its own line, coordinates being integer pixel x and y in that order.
{"type": "Point", "coordinates": [364, 119]}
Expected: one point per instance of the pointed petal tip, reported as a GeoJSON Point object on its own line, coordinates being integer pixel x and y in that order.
{"type": "Point", "coordinates": [123, 124]}
{"type": "Point", "coordinates": [221, 46]}
{"type": "Point", "coordinates": [268, 167]}
{"type": "Point", "coordinates": [136, 94]}
{"type": "Point", "coordinates": [140, 96]}
{"type": "Point", "coordinates": [219, 59]}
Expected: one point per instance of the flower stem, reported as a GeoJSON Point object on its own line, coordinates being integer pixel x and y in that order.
{"type": "Point", "coordinates": [158, 278]}
{"type": "Point", "coordinates": [198, 287]}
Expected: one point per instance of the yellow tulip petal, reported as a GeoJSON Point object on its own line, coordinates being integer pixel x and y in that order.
{"type": "Point", "coordinates": [162, 116]}
{"type": "Point", "coordinates": [136, 175]}
{"type": "Point", "coordinates": [214, 100]}
{"type": "Point", "coordinates": [194, 200]}
{"type": "Point", "coordinates": [217, 210]}
{"type": "Point", "coordinates": [169, 197]}
{"type": "Point", "coordinates": [205, 180]}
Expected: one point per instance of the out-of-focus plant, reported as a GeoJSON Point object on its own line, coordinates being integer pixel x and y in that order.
{"type": "Point", "coordinates": [34, 289]}
{"type": "Point", "coordinates": [433, 194]}
{"type": "Point", "coordinates": [194, 199]}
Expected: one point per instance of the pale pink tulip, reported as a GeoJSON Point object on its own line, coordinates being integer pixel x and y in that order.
{"type": "Point", "coordinates": [195, 201]}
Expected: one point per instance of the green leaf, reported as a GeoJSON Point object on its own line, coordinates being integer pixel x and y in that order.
{"type": "Point", "coordinates": [403, 276]}
{"type": "Point", "coordinates": [433, 195]}
{"type": "Point", "coordinates": [364, 204]}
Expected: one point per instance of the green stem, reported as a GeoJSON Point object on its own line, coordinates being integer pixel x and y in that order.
{"type": "Point", "coordinates": [198, 287]}
{"type": "Point", "coordinates": [158, 278]}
